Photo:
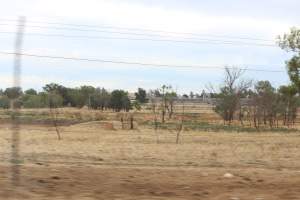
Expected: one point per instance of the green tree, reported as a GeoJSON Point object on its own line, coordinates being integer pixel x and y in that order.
{"type": "Point", "coordinates": [76, 98]}
{"type": "Point", "coordinates": [293, 67]}
{"type": "Point", "coordinates": [54, 100]}
{"type": "Point", "coordinates": [266, 101]}
{"type": "Point", "coordinates": [168, 97]}
{"type": "Point", "coordinates": [288, 104]}
{"type": "Point", "coordinates": [31, 92]}
{"type": "Point", "coordinates": [120, 101]}
{"type": "Point", "coordinates": [87, 91]}
{"type": "Point", "coordinates": [34, 101]}
{"type": "Point", "coordinates": [141, 96]}
{"type": "Point", "coordinates": [100, 99]}
{"type": "Point", "coordinates": [291, 42]}
{"type": "Point", "coordinates": [50, 100]}
{"type": "Point", "coordinates": [28, 94]}
{"type": "Point", "coordinates": [13, 92]}
{"type": "Point", "coordinates": [54, 88]}
{"type": "Point", "coordinates": [4, 102]}
{"type": "Point", "coordinates": [171, 97]}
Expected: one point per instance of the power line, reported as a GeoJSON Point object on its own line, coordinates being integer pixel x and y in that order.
{"type": "Point", "coordinates": [149, 30]}
{"type": "Point", "coordinates": [138, 63]}
{"type": "Point", "coordinates": [132, 33]}
{"type": "Point", "coordinates": [206, 41]}
{"type": "Point", "coordinates": [236, 40]}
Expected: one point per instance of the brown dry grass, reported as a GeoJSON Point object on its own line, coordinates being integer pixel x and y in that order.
{"type": "Point", "coordinates": [90, 143]}
{"type": "Point", "coordinates": [93, 163]}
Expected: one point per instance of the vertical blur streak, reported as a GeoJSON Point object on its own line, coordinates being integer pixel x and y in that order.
{"type": "Point", "coordinates": [15, 157]}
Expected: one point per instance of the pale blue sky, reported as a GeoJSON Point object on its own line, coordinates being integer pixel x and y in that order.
{"type": "Point", "coordinates": [236, 18]}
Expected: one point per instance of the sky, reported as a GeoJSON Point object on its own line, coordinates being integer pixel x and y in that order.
{"type": "Point", "coordinates": [209, 25]}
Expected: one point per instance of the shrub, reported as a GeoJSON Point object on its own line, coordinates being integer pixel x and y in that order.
{"type": "Point", "coordinates": [34, 101]}
{"type": "Point", "coordinates": [4, 102]}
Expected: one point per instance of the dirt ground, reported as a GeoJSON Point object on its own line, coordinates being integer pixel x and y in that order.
{"type": "Point", "coordinates": [92, 163]}
{"type": "Point", "coordinates": [111, 182]}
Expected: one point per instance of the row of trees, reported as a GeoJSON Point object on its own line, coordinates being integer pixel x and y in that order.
{"type": "Point", "coordinates": [55, 95]}
{"type": "Point", "coordinates": [263, 104]}
{"type": "Point", "coordinates": [258, 104]}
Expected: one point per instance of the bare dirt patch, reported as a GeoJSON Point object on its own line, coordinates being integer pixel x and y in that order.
{"type": "Point", "coordinates": [91, 182]}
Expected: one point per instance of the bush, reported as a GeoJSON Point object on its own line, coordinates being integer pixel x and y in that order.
{"type": "Point", "coordinates": [42, 100]}
{"type": "Point", "coordinates": [4, 102]}
{"type": "Point", "coordinates": [137, 105]}
{"type": "Point", "coordinates": [34, 101]}
{"type": "Point", "coordinates": [54, 100]}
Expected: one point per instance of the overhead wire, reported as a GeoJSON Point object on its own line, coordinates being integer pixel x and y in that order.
{"type": "Point", "coordinates": [137, 63]}
{"type": "Point", "coordinates": [147, 30]}
{"type": "Point", "coordinates": [236, 41]}
{"type": "Point", "coordinates": [185, 40]}
{"type": "Point", "coordinates": [199, 41]}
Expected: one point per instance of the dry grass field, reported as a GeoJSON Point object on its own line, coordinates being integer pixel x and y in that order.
{"type": "Point", "coordinates": [95, 161]}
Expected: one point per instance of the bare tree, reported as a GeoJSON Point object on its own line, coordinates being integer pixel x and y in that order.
{"type": "Point", "coordinates": [131, 119]}
{"type": "Point", "coordinates": [180, 127]}
{"type": "Point", "coordinates": [163, 103]}
{"type": "Point", "coordinates": [231, 91]}
{"type": "Point", "coordinates": [155, 120]}
{"type": "Point", "coordinates": [168, 97]}
{"type": "Point", "coordinates": [54, 114]}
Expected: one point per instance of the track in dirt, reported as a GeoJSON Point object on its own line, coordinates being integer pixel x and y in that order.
{"type": "Point", "coordinates": [93, 182]}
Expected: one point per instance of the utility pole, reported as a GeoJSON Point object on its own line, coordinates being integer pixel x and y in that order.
{"type": "Point", "coordinates": [15, 156]}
